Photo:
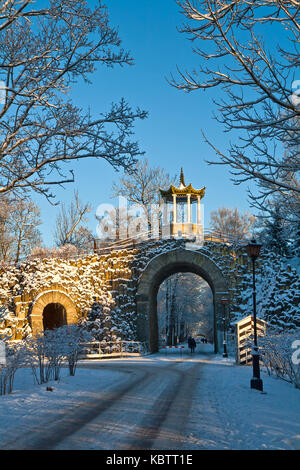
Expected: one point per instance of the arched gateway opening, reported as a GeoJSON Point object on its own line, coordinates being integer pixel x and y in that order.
{"type": "Point", "coordinates": [160, 268]}
{"type": "Point", "coordinates": [54, 316]}
{"type": "Point", "coordinates": [52, 309]}
{"type": "Point", "coordinates": [184, 309]}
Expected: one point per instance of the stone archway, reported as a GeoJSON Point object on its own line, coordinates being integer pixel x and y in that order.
{"type": "Point", "coordinates": [163, 266]}
{"type": "Point", "coordinates": [47, 298]}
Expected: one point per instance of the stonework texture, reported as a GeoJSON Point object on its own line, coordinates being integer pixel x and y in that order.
{"type": "Point", "coordinates": [124, 283]}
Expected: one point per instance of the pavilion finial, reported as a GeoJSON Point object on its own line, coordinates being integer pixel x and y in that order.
{"type": "Point", "coordinates": [182, 178]}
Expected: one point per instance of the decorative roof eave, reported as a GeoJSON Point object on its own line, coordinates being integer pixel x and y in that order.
{"type": "Point", "coordinates": [183, 191]}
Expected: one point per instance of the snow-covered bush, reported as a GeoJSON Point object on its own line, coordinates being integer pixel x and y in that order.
{"type": "Point", "coordinates": [101, 324]}
{"type": "Point", "coordinates": [67, 251]}
{"type": "Point", "coordinates": [47, 351]}
{"type": "Point", "coordinates": [277, 354]}
{"type": "Point", "coordinates": [40, 252]}
{"type": "Point", "coordinates": [37, 358]}
{"type": "Point", "coordinates": [15, 358]}
{"type": "Point", "coordinates": [45, 354]}
{"type": "Point", "coordinates": [55, 351]}
{"type": "Point", "coordinates": [72, 337]}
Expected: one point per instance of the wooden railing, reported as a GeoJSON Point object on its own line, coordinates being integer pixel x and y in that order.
{"type": "Point", "coordinates": [215, 236]}
{"type": "Point", "coordinates": [222, 237]}
{"type": "Point", "coordinates": [96, 349]}
{"type": "Point", "coordinates": [100, 246]}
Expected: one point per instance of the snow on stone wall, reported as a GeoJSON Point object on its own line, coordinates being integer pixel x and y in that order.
{"type": "Point", "coordinates": [103, 288]}
{"type": "Point", "coordinates": [106, 281]}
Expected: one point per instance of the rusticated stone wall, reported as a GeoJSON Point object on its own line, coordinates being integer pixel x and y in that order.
{"type": "Point", "coordinates": [124, 283]}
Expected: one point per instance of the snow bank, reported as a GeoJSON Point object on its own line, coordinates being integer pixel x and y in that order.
{"type": "Point", "coordinates": [227, 414]}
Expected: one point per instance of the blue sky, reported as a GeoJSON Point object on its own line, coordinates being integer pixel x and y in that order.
{"type": "Point", "coordinates": [171, 136]}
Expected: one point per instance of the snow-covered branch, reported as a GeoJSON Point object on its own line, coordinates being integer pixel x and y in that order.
{"type": "Point", "coordinates": [42, 53]}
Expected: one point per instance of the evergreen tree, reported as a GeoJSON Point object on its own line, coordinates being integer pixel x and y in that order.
{"type": "Point", "coordinates": [275, 237]}
{"type": "Point", "coordinates": [98, 323]}
{"type": "Point", "coordinates": [296, 240]}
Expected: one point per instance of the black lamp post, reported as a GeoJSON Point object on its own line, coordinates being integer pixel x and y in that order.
{"type": "Point", "coordinates": [224, 302]}
{"type": "Point", "coordinates": [253, 250]}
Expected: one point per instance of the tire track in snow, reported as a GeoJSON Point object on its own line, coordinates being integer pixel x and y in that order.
{"type": "Point", "coordinates": [52, 433]}
{"type": "Point", "coordinates": [131, 416]}
{"type": "Point", "coordinates": [164, 427]}
{"type": "Point", "coordinates": [139, 414]}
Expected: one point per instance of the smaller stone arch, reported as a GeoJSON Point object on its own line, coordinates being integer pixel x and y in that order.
{"type": "Point", "coordinates": [51, 297]}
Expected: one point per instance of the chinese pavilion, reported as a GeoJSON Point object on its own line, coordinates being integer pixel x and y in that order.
{"type": "Point", "coordinates": [180, 223]}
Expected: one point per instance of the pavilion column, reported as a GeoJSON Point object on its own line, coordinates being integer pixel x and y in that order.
{"type": "Point", "coordinates": [198, 210]}
{"type": "Point", "coordinates": [188, 208]}
{"type": "Point", "coordinates": [174, 209]}
{"type": "Point", "coordinates": [165, 212]}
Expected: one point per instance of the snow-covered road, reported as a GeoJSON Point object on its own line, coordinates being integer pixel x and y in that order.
{"type": "Point", "coordinates": [154, 402]}
{"type": "Point", "coordinates": [148, 409]}
{"type": "Point", "coordinates": [150, 414]}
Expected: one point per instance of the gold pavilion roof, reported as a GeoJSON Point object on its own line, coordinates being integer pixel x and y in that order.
{"type": "Point", "coordinates": [183, 190]}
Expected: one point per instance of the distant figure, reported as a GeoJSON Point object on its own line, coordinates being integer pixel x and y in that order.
{"type": "Point", "coordinates": [191, 344]}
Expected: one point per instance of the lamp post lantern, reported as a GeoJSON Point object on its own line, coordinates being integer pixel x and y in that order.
{"type": "Point", "coordinates": [253, 251]}
{"type": "Point", "coordinates": [224, 302]}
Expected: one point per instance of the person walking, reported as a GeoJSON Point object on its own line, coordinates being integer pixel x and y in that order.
{"type": "Point", "coordinates": [191, 344]}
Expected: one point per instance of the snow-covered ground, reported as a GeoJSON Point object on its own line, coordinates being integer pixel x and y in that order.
{"type": "Point", "coordinates": [32, 406]}
{"type": "Point", "coordinates": [225, 414]}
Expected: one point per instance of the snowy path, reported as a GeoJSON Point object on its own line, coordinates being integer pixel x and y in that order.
{"type": "Point", "coordinates": [156, 402]}
{"type": "Point", "coordinates": [148, 412]}
{"type": "Point", "coordinates": [146, 407]}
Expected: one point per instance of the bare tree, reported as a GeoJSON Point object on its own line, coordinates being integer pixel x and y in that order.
{"type": "Point", "coordinates": [24, 223]}
{"type": "Point", "coordinates": [185, 306]}
{"type": "Point", "coordinates": [141, 188]}
{"type": "Point", "coordinates": [260, 98]}
{"type": "Point", "coordinates": [6, 238]}
{"type": "Point", "coordinates": [19, 233]}
{"type": "Point", "coordinates": [43, 51]}
{"type": "Point", "coordinates": [230, 222]}
{"type": "Point", "coordinates": [69, 227]}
